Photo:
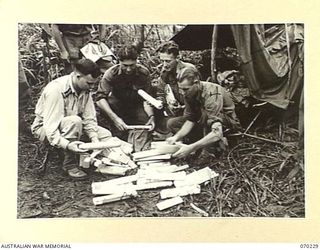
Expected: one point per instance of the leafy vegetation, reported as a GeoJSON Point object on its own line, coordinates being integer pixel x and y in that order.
{"type": "Point", "coordinates": [256, 178]}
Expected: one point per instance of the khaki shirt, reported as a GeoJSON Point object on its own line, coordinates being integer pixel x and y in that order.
{"type": "Point", "coordinates": [213, 101]}
{"type": "Point", "coordinates": [58, 100]}
{"type": "Point", "coordinates": [171, 79]}
{"type": "Point", "coordinates": [124, 87]}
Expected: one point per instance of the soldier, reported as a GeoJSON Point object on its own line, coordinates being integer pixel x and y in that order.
{"type": "Point", "coordinates": [119, 101]}
{"type": "Point", "coordinates": [208, 106]}
{"type": "Point", "coordinates": [172, 66]}
{"type": "Point", "coordinates": [66, 110]}
{"type": "Point", "coordinates": [71, 38]}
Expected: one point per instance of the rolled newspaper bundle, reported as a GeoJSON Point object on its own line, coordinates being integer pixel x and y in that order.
{"type": "Point", "coordinates": [154, 102]}
{"type": "Point", "coordinates": [114, 197]}
{"type": "Point", "coordinates": [100, 145]}
{"type": "Point", "coordinates": [133, 127]}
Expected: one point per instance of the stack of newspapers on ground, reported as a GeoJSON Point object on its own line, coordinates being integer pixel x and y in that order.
{"type": "Point", "coordinates": [152, 170]}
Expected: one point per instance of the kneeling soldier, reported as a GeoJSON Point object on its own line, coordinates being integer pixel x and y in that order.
{"type": "Point", "coordinates": [208, 106]}
{"type": "Point", "coordinates": [65, 110]}
{"type": "Point", "coordinates": [119, 101]}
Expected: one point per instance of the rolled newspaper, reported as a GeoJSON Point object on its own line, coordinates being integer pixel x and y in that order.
{"type": "Point", "coordinates": [133, 127]}
{"type": "Point", "coordinates": [100, 145]}
{"type": "Point", "coordinates": [154, 102]}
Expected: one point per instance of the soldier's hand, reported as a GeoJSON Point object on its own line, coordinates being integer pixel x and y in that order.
{"type": "Point", "coordinates": [65, 55]}
{"type": "Point", "coordinates": [217, 128]}
{"type": "Point", "coordinates": [74, 147]}
{"type": "Point", "coordinates": [151, 122]}
{"type": "Point", "coordinates": [184, 151]}
{"type": "Point", "coordinates": [172, 140]}
{"type": "Point", "coordinates": [120, 124]}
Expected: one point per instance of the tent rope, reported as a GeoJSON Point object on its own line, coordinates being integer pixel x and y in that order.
{"type": "Point", "coordinates": [288, 50]}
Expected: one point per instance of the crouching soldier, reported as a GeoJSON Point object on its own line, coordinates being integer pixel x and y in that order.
{"type": "Point", "coordinates": [208, 106]}
{"type": "Point", "coordinates": [66, 110]}
{"type": "Point", "coordinates": [167, 90]}
{"type": "Point", "coordinates": [120, 103]}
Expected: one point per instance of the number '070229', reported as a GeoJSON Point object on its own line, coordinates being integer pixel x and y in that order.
{"type": "Point", "coordinates": [309, 246]}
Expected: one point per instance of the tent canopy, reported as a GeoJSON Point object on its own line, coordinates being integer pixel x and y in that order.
{"type": "Point", "coordinates": [271, 55]}
{"type": "Point", "coordinates": [199, 37]}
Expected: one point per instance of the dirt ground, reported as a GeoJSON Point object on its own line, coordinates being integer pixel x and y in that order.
{"type": "Point", "coordinates": [256, 179]}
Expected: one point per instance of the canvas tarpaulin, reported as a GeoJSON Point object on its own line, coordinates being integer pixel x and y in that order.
{"type": "Point", "coordinates": [199, 37]}
{"type": "Point", "coordinates": [271, 56]}
{"type": "Point", "coordinates": [271, 60]}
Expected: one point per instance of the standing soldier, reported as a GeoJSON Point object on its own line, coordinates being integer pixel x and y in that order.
{"type": "Point", "coordinates": [71, 38]}
{"type": "Point", "coordinates": [209, 107]}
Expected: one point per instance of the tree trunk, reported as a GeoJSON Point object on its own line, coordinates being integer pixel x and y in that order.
{"type": "Point", "coordinates": [141, 39]}
{"type": "Point", "coordinates": [158, 34]}
{"type": "Point", "coordinates": [213, 53]}
{"type": "Point", "coordinates": [301, 121]}
{"type": "Point", "coordinates": [174, 29]}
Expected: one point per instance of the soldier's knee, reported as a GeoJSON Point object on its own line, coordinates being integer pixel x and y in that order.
{"type": "Point", "coordinates": [103, 133]}
{"type": "Point", "coordinates": [72, 119]}
{"type": "Point", "coordinates": [73, 122]}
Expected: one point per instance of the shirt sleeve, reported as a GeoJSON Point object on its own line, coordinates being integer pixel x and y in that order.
{"type": "Point", "coordinates": [105, 86]}
{"type": "Point", "coordinates": [228, 104]}
{"type": "Point", "coordinates": [146, 81]}
{"type": "Point", "coordinates": [192, 109]}
{"type": "Point", "coordinates": [221, 105]}
{"type": "Point", "coordinates": [53, 113]}
{"type": "Point", "coordinates": [229, 110]}
{"type": "Point", "coordinates": [190, 112]}
{"type": "Point", "coordinates": [89, 119]}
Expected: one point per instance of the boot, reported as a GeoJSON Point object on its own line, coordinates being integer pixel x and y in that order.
{"type": "Point", "coordinates": [71, 167]}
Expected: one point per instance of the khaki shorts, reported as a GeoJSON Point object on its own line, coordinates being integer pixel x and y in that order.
{"type": "Point", "coordinates": [73, 44]}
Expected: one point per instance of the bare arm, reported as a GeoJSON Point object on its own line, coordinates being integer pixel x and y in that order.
{"type": "Point", "coordinates": [58, 38]}
{"type": "Point", "coordinates": [214, 136]}
{"type": "Point", "coordinates": [104, 89]}
{"type": "Point", "coordinates": [148, 108]}
{"type": "Point", "coordinates": [185, 129]}
{"type": "Point", "coordinates": [149, 111]}
{"type": "Point", "coordinates": [105, 107]}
